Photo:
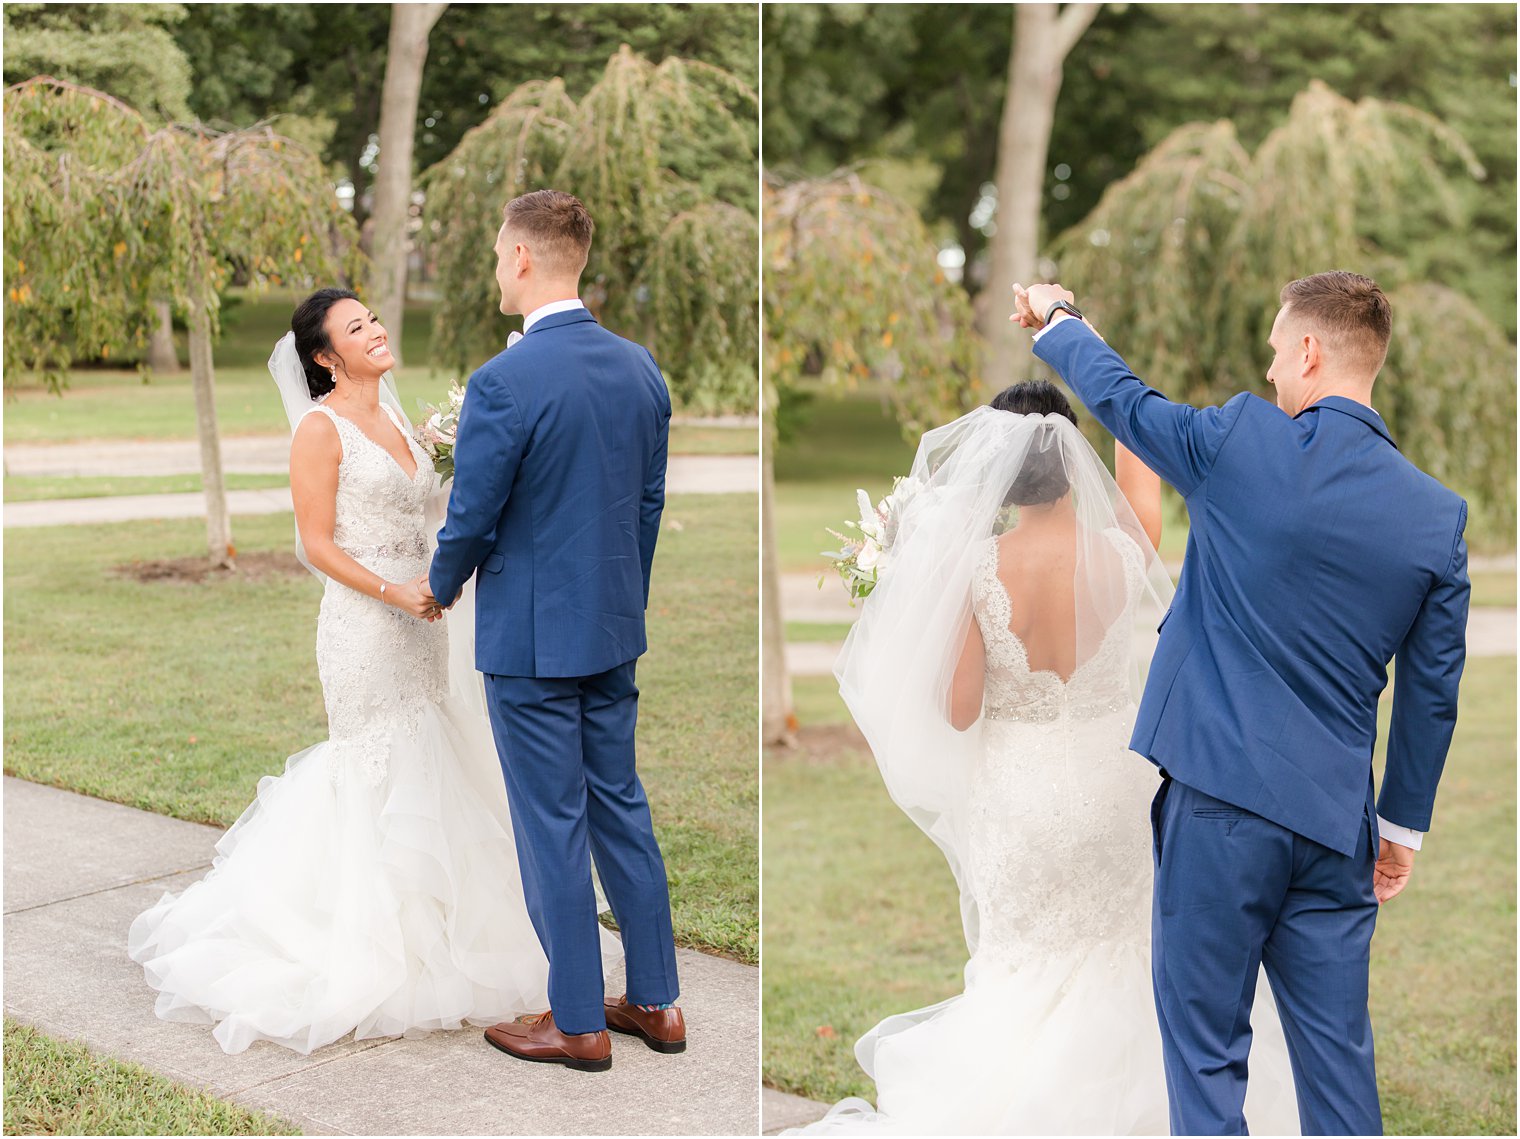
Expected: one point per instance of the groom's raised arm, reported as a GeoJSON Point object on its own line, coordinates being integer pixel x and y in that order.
{"type": "Point", "coordinates": [1176, 441]}
{"type": "Point", "coordinates": [488, 448]}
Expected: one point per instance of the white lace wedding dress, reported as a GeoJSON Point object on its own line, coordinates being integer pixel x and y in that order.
{"type": "Point", "coordinates": [1055, 1033]}
{"type": "Point", "coordinates": [373, 887]}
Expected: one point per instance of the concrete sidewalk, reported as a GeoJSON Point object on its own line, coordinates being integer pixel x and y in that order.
{"type": "Point", "coordinates": [78, 870]}
{"type": "Point", "coordinates": [780, 1110]}
{"type": "Point", "coordinates": [241, 454]}
{"type": "Point", "coordinates": [687, 474]}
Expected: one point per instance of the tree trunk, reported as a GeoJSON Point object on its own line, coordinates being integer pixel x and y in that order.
{"type": "Point", "coordinates": [218, 521]}
{"type": "Point", "coordinates": [405, 57]}
{"type": "Point", "coordinates": [778, 721]}
{"type": "Point", "coordinates": [1043, 35]}
{"type": "Point", "coordinates": [162, 359]}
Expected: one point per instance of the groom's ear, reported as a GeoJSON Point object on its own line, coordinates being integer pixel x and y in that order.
{"type": "Point", "coordinates": [1313, 355]}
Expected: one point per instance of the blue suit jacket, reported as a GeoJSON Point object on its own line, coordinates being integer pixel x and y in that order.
{"type": "Point", "coordinates": [1317, 553]}
{"type": "Point", "coordinates": [559, 482]}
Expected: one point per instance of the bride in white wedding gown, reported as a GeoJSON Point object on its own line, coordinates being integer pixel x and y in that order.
{"type": "Point", "coordinates": [994, 673]}
{"type": "Point", "coordinates": [372, 888]}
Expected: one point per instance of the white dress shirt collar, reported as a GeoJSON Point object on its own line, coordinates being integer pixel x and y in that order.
{"type": "Point", "coordinates": [549, 309]}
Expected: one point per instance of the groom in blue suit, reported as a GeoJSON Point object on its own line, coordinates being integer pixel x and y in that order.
{"type": "Point", "coordinates": [1316, 555]}
{"type": "Point", "coordinates": [558, 489]}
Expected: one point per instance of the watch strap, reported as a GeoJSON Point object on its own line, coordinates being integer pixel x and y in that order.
{"type": "Point", "coordinates": [1062, 306]}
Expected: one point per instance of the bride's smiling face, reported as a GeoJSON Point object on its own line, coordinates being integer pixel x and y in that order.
{"type": "Point", "coordinates": [359, 344]}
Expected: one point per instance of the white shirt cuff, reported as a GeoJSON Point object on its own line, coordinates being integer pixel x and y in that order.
{"type": "Point", "coordinates": [1401, 835]}
{"type": "Point", "coordinates": [1055, 320]}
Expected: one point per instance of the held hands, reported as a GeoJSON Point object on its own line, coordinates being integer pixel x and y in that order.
{"type": "Point", "coordinates": [425, 585]}
{"type": "Point", "coordinates": [1390, 874]}
{"type": "Point", "coordinates": [1035, 301]}
{"type": "Point", "coordinates": [413, 597]}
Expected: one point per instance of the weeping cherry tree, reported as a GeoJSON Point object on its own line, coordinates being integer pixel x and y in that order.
{"type": "Point", "coordinates": [105, 215]}
{"type": "Point", "coordinates": [1180, 265]}
{"type": "Point", "coordinates": [853, 295]}
{"type": "Point", "coordinates": [664, 156]}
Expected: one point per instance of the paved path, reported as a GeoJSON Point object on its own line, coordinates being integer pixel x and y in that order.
{"type": "Point", "coordinates": [77, 870]}
{"type": "Point", "coordinates": [687, 474]}
{"type": "Point", "coordinates": [780, 1110]}
{"type": "Point", "coordinates": [241, 454]}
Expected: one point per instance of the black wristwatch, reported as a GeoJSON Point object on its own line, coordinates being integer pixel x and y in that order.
{"type": "Point", "coordinates": [1062, 306]}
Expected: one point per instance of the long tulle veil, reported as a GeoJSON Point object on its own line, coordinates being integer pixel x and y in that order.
{"type": "Point", "coordinates": [897, 672]}
{"type": "Point", "coordinates": [898, 662]}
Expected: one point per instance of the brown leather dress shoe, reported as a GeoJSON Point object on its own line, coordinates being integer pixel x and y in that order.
{"type": "Point", "coordinates": [535, 1038]}
{"type": "Point", "coordinates": [664, 1030]}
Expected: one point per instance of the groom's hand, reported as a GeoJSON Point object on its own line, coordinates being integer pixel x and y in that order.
{"type": "Point", "coordinates": [1391, 872]}
{"type": "Point", "coordinates": [426, 585]}
{"type": "Point", "coordinates": [435, 611]}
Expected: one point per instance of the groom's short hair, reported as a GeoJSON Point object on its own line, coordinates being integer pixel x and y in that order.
{"type": "Point", "coordinates": [1347, 311]}
{"type": "Point", "coordinates": [555, 226]}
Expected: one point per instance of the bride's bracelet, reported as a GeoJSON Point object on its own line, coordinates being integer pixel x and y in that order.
{"type": "Point", "coordinates": [383, 584]}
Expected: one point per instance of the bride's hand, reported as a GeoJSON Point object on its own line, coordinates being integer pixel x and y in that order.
{"type": "Point", "coordinates": [1025, 313]}
{"type": "Point", "coordinates": [409, 597]}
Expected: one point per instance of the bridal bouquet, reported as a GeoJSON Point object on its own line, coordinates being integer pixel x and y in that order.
{"type": "Point", "coordinates": [436, 431]}
{"type": "Point", "coordinates": [861, 559]}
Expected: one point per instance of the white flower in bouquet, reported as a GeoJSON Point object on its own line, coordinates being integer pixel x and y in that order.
{"type": "Point", "coordinates": [861, 561]}
{"type": "Point", "coordinates": [439, 428]}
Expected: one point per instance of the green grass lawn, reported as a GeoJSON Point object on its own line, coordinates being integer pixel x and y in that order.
{"type": "Point", "coordinates": [1493, 588]}
{"type": "Point", "coordinates": [40, 488]}
{"type": "Point", "coordinates": [684, 440]}
{"type": "Point", "coordinates": [861, 921]}
{"type": "Point", "coordinates": [55, 1087]}
{"type": "Point", "coordinates": [703, 439]}
{"type": "Point", "coordinates": [816, 631]}
{"type": "Point", "coordinates": [176, 698]}
{"type": "Point", "coordinates": [117, 404]}
{"type": "Point", "coordinates": [849, 442]}
{"type": "Point", "coordinates": [114, 404]}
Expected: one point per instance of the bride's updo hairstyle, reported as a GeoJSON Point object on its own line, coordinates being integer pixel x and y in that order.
{"type": "Point", "coordinates": [1043, 478]}
{"type": "Point", "coordinates": [309, 324]}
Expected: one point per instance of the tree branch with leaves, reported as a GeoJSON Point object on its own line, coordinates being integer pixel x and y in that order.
{"type": "Point", "coordinates": [105, 215]}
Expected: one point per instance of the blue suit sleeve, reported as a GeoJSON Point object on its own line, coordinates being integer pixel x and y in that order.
{"type": "Point", "coordinates": [489, 447]}
{"type": "Point", "coordinates": [1178, 442]}
{"type": "Point", "coordinates": [1426, 676]}
{"type": "Point", "coordinates": [652, 502]}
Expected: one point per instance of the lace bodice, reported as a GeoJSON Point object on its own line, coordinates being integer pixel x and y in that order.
{"type": "Point", "coordinates": [1100, 684]}
{"type": "Point", "coordinates": [378, 664]}
{"type": "Point", "coordinates": [379, 509]}
{"type": "Point", "coordinates": [1059, 846]}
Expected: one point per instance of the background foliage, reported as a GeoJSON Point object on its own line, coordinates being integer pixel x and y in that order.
{"type": "Point", "coordinates": [664, 157]}
{"type": "Point", "coordinates": [917, 91]}
{"type": "Point", "coordinates": [104, 214]}
{"type": "Point", "coordinates": [852, 295]}
{"type": "Point", "coordinates": [1202, 156]}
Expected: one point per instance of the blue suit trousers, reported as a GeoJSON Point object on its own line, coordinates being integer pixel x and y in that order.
{"type": "Point", "coordinates": [1235, 892]}
{"type": "Point", "coordinates": [567, 754]}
